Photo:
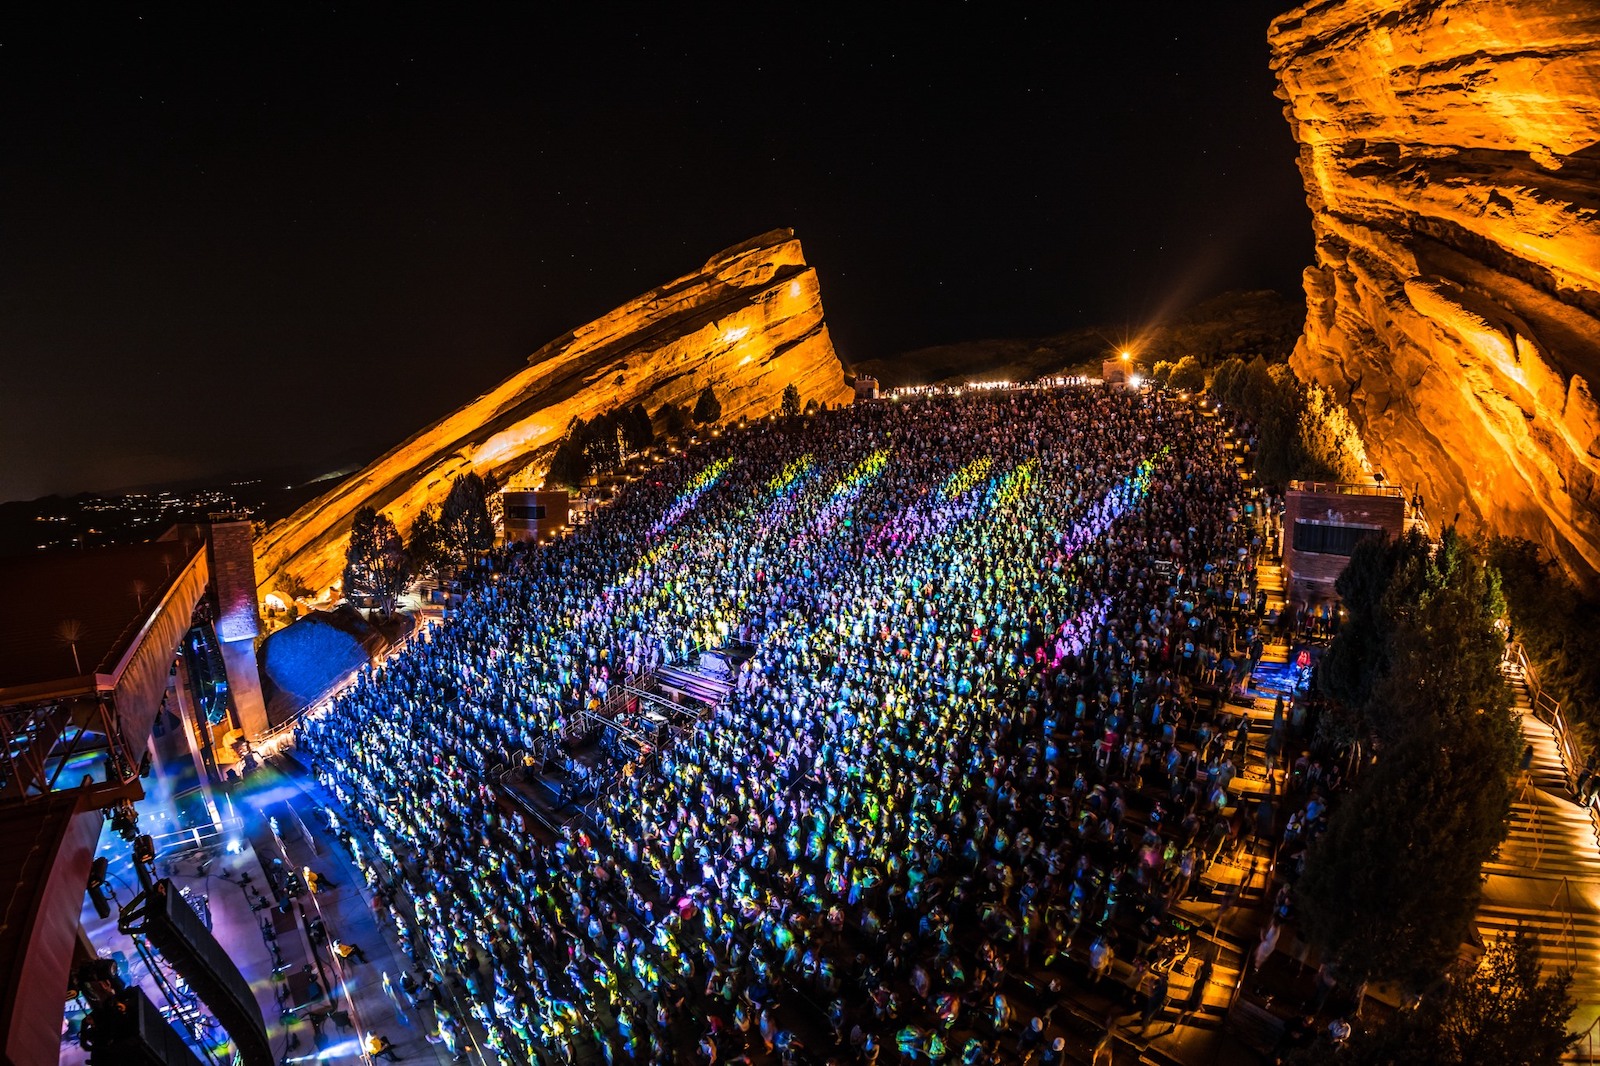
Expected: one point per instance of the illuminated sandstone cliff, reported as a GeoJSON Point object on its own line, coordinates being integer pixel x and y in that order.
{"type": "Point", "coordinates": [1451, 156]}
{"type": "Point", "coordinates": [749, 323]}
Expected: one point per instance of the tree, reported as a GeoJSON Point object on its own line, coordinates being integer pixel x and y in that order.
{"type": "Point", "coordinates": [707, 409]}
{"type": "Point", "coordinates": [1162, 371]}
{"type": "Point", "coordinates": [376, 568]}
{"type": "Point", "coordinates": [1331, 447]}
{"type": "Point", "coordinates": [1390, 890]}
{"type": "Point", "coordinates": [791, 400]}
{"type": "Point", "coordinates": [602, 444]}
{"type": "Point", "coordinates": [566, 466]}
{"type": "Point", "coordinates": [674, 419]}
{"type": "Point", "coordinates": [1187, 375]}
{"type": "Point", "coordinates": [1301, 431]}
{"type": "Point", "coordinates": [1255, 387]}
{"type": "Point", "coordinates": [1225, 381]}
{"type": "Point", "coordinates": [425, 547]}
{"type": "Point", "coordinates": [1358, 656]}
{"type": "Point", "coordinates": [1498, 1012]}
{"type": "Point", "coordinates": [1501, 1012]}
{"type": "Point", "coordinates": [1272, 399]}
{"type": "Point", "coordinates": [464, 524]}
{"type": "Point", "coordinates": [637, 431]}
{"type": "Point", "coordinates": [1446, 648]}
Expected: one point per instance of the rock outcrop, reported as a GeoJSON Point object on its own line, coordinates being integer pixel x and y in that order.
{"type": "Point", "coordinates": [1451, 157]}
{"type": "Point", "coordinates": [748, 323]}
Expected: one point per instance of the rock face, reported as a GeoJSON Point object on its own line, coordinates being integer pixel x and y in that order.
{"type": "Point", "coordinates": [1451, 156]}
{"type": "Point", "coordinates": [748, 323]}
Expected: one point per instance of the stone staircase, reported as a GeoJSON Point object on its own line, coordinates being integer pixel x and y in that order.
{"type": "Point", "coordinates": [1269, 580]}
{"type": "Point", "coordinates": [1546, 877]}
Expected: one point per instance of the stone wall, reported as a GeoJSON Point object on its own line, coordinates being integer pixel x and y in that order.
{"type": "Point", "coordinates": [1451, 157]}
{"type": "Point", "coordinates": [748, 323]}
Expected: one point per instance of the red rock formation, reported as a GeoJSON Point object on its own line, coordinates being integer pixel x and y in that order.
{"type": "Point", "coordinates": [748, 323]}
{"type": "Point", "coordinates": [1451, 156]}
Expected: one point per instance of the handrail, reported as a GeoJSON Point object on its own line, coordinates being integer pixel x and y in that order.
{"type": "Point", "coordinates": [1347, 488]}
{"type": "Point", "coordinates": [1587, 1036]}
{"type": "Point", "coordinates": [1548, 710]}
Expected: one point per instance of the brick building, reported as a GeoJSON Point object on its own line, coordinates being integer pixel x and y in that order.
{"type": "Point", "coordinates": [1322, 524]}
{"type": "Point", "coordinates": [534, 514]}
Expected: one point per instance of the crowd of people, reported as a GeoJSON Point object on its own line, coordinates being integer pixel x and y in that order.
{"type": "Point", "coordinates": [972, 758]}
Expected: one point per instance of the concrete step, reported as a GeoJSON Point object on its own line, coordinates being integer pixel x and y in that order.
{"type": "Point", "coordinates": [1530, 862]}
{"type": "Point", "coordinates": [1542, 920]}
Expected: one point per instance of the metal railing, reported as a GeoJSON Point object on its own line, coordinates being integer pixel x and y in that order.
{"type": "Point", "coordinates": [1347, 488]}
{"type": "Point", "coordinates": [1548, 710]}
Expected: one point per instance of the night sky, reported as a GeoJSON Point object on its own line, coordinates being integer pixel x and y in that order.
{"type": "Point", "coordinates": [291, 239]}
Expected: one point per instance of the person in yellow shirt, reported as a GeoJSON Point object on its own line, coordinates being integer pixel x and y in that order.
{"type": "Point", "coordinates": [379, 1047]}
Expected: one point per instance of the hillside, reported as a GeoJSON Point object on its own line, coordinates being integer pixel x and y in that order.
{"type": "Point", "coordinates": [1262, 321]}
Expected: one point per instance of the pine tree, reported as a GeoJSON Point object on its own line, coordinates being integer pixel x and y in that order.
{"type": "Point", "coordinates": [602, 445]}
{"type": "Point", "coordinates": [1390, 890]}
{"type": "Point", "coordinates": [791, 400]}
{"type": "Point", "coordinates": [674, 419]}
{"type": "Point", "coordinates": [1225, 383]}
{"type": "Point", "coordinates": [637, 430]}
{"type": "Point", "coordinates": [464, 524]}
{"type": "Point", "coordinates": [1332, 448]}
{"type": "Point", "coordinates": [569, 466]}
{"type": "Point", "coordinates": [376, 568]}
{"type": "Point", "coordinates": [707, 409]}
{"type": "Point", "coordinates": [425, 547]}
